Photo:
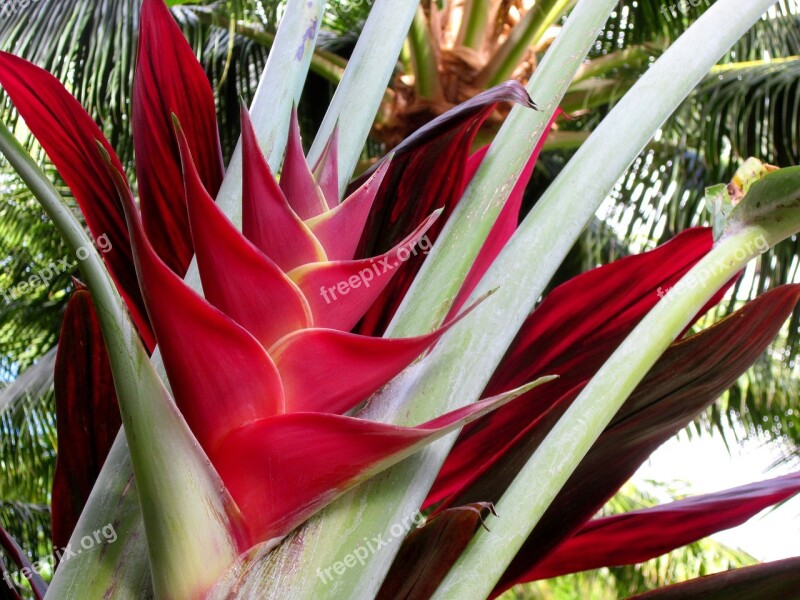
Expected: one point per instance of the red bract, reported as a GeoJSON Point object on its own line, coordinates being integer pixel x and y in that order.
{"type": "Point", "coordinates": [281, 297]}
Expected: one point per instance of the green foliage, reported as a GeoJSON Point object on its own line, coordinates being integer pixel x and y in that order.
{"type": "Point", "coordinates": [28, 456]}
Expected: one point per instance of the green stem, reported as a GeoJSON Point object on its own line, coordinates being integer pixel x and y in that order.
{"type": "Point", "coordinates": [528, 32]}
{"type": "Point", "coordinates": [492, 549]}
{"type": "Point", "coordinates": [636, 56]}
{"type": "Point", "coordinates": [279, 88]}
{"type": "Point", "coordinates": [473, 23]}
{"type": "Point", "coordinates": [592, 93]}
{"type": "Point", "coordinates": [363, 86]}
{"type": "Point", "coordinates": [325, 64]}
{"type": "Point", "coordinates": [423, 59]}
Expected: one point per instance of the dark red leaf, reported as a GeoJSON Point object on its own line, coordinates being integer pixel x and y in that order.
{"type": "Point", "coordinates": [571, 334]}
{"type": "Point", "coordinates": [169, 80]}
{"type": "Point", "coordinates": [429, 552]}
{"type": "Point", "coordinates": [427, 172]}
{"type": "Point", "coordinates": [70, 136]}
{"type": "Point", "coordinates": [87, 414]}
{"type": "Point", "coordinates": [778, 579]}
{"type": "Point", "coordinates": [689, 377]}
{"type": "Point", "coordinates": [640, 535]}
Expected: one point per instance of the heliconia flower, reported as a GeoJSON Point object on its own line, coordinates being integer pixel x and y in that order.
{"type": "Point", "coordinates": [262, 390]}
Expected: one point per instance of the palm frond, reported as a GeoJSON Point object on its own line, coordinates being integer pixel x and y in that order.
{"type": "Point", "coordinates": [28, 455]}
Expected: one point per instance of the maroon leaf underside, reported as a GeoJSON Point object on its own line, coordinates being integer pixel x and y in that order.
{"type": "Point", "coordinates": [18, 556]}
{"type": "Point", "coordinates": [429, 552]}
{"type": "Point", "coordinates": [571, 334]}
{"type": "Point", "coordinates": [169, 80]}
{"type": "Point", "coordinates": [427, 172]}
{"type": "Point", "coordinates": [778, 579]}
{"type": "Point", "coordinates": [640, 535]}
{"type": "Point", "coordinates": [87, 414]}
{"type": "Point", "coordinates": [686, 380]}
{"type": "Point", "coordinates": [69, 136]}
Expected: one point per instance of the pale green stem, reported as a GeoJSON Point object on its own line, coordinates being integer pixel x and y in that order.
{"type": "Point", "coordinates": [492, 549]}
{"type": "Point", "coordinates": [423, 59]}
{"type": "Point", "coordinates": [363, 86]}
{"type": "Point", "coordinates": [527, 33]}
{"type": "Point", "coordinates": [279, 88]}
{"type": "Point", "coordinates": [473, 23]}
{"type": "Point", "coordinates": [325, 64]}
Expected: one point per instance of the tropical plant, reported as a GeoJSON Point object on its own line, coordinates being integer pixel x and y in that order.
{"type": "Point", "coordinates": [291, 444]}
